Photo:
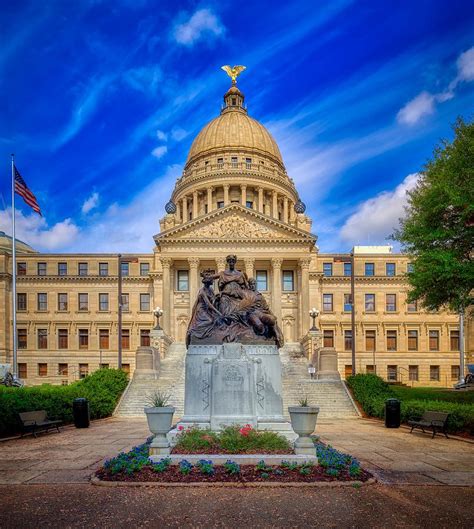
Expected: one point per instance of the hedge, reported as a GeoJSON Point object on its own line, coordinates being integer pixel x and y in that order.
{"type": "Point", "coordinates": [102, 388]}
{"type": "Point", "coordinates": [371, 392]}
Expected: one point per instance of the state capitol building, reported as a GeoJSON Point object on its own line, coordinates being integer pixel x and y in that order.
{"type": "Point", "coordinates": [234, 197]}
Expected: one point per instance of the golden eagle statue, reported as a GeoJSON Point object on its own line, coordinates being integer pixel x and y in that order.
{"type": "Point", "coordinates": [233, 71]}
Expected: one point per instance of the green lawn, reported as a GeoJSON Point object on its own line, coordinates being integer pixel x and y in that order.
{"type": "Point", "coordinates": [406, 393]}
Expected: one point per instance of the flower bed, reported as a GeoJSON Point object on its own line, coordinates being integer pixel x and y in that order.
{"type": "Point", "coordinates": [135, 466]}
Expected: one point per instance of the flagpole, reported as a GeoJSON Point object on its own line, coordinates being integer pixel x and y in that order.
{"type": "Point", "coordinates": [15, 338]}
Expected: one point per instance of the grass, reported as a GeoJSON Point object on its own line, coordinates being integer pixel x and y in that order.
{"type": "Point", "coordinates": [406, 393]}
{"type": "Point", "coordinates": [231, 440]}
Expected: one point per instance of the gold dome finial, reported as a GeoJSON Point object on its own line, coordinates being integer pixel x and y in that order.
{"type": "Point", "coordinates": [233, 71]}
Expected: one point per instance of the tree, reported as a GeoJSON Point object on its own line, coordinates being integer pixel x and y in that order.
{"type": "Point", "coordinates": [438, 228]}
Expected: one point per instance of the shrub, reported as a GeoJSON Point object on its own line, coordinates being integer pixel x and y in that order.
{"type": "Point", "coordinates": [102, 388]}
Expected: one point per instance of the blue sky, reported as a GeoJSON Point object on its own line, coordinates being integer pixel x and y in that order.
{"type": "Point", "coordinates": [101, 101]}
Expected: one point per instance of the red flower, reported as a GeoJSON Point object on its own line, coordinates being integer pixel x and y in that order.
{"type": "Point", "coordinates": [180, 427]}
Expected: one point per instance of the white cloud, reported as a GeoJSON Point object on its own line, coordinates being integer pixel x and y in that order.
{"type": "Point", "coordinates": [179, 134]}
{"type": "Point", "coordinates": [90, 203]}
{"type": "Point", "coordinates": [34, 230]}
{"type": "Point", "coordinates": [160, 151]}
{"type": "Point", "coordinates": [203, 23]}
{"type": "Point", "coordinates": [465, 64]}
{"type": "Point", "coordinates": [421, 105]}
{"type": "Point", "coordinates": [376, 218]}
{"type": "Point", "coordinates": [161, 135]}
{"type": "Point", "coordinates": [145, 79]}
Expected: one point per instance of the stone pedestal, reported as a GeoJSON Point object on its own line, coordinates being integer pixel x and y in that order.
{"type": "Point", "coordinates": [147, 363]}
{"type": "Point", "coordinates": [234, 384]}
{"type": "Point", "coordinates": [160, 341]}
{"type": "Point", "coordinates": [327, 364]}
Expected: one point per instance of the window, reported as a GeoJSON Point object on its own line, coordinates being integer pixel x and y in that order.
{"type": "Point", "coordinates": [145, 337]}
{"type": "Point", "coordinates": [42, 369]}
{"type": "Point", "coordinates": [327, 302]}
{"type": "Point", "coordinates": [125, 338]}
{"type": "Point", "coordinates": [83, 370]}
{"type": "Point", "coordinates": [369, 269]}
{"type": "Point", "coordinates": [22, 338]}
{"type": "Point", "coordinates": [41, 269]}
{"type": "Point", "coordinates": [63, 370]}
{"type": "Point", "coordinates": [233, 161]}
{"type": "Point", "coordinates": [83, 301]}
{"type": "Point", "coordinates": [410, 268]}
{"type": "Point", "coordinates": [347, 269]}
{"type": "Point", "coordinates": [145, 302]}
{"type": "Point", "coordinates": [262, 280]}
{"type": "Point", "coordinates": [124, 266]}
{"type": "Point", "coordinates": [328, 338]}
{"type": "Point", "coordinates": [390, 269]}
{"type": "Point", "coordinates": [103, 366]}
{"type": "Point", "coordinates": [62, 269]}
{"type": "Point", "coordinates": [103, 302]}
{"type": "Point", "coordinates": [370, 369]}
{"type": "Point", "coordinates": [455, 372]}
{"type": "Point", "coordinates": [103, 338]}
{"type": "Point", "coordinates": [391, 340]}
{"type": "Point", "coordinates": [82, 269]}
{"type": "Point", "coordinates": [370, 303]}
{"type": "Point", "coordinates": [21, 269]}
{"type": "Point", "coordinates": [390, 302]}
{"type": "Point", "coordinates": [454, 340]}
{"type": "Point", "coordinates": [288, 281]}
{"type": "Point", "coordinates": [104, 269]}
{"type": "Point", "coordinates": [220, 163]}
{"type": "Point", "coordinates": [126, 368]}
{"type": "Point", "coordinates": [234, 101]}
{"type": "Point", "coordinates": [220, 204]}
{"type": "Point", "coordinates": [412, 307]}
{"type": "Point", "coordinates": [327, 269]}
{"type": "Point", "coordinates": [22, 370]}
{"type": "Point", "coordinates": [144, 269]}
{"type": "Point", "coordinates": [434, 340]}
{"type": "Point", "coordinates": [347, 370]}
{"type": "Point", "coordinates": [392, 373]}
{"type": "Point", "coordinates": [83, 338]}
{"type": "Point", "coordinates": [42, 338]}
{"type": "Point", "coordinates": [62, 338]}
{"type": "Point", "coordinates": [434, 373]}
{"type": "Point", "coordinates": [125, 303]}
{"type": "Point", "coordinates": [62, 301]}
{"type": "Point", "coordinates": [249, 204]}
{"type": "Point", "coordinates": [347, 302]}
{"type": "Point", "coordinates": [42, 301]}
{"type": "Point", "coordinates": [248, 163]}
{"type": "Point", "coordinates": [183, 280]}
{"type": "Point", "coordinates": [413, 341]}
{"type": "Point", "coordinates": [370, 340]}
{"type": "Point", "coordinates": [347, 340]}
{"type": "Point", "coordinates": [413, 373]}
{"type": "Point", "coordinates": [21, 301]}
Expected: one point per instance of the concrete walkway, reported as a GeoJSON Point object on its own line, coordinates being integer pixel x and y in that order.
{"type": "Point", "coordinates": [394, 455]}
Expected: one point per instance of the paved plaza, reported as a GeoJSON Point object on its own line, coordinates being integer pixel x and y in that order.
{"type": "Point", "coordinates": [394, 455]}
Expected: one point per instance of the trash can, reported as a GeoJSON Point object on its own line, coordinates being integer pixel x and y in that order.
{"type": "Point", "coordinates": [392, 413]}
{"type": "Point", "coordinates": [80, 410]}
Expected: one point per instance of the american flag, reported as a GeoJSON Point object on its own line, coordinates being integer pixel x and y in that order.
{"type": "Point", "coordinates": [23, 190]}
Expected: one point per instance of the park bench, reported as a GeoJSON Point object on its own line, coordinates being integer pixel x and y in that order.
{"type": "Point", "coordinates": [436, 421]}
{"type": "Point", "coordinates": [35, 421]}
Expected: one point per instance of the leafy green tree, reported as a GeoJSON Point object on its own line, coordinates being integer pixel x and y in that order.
{"type": "Point", "coordinates": [438, 228]}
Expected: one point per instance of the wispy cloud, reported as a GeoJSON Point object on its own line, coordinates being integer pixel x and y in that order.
{"type": "Point", "coordinates": [90, 203]}
{"type": "Point", "coordinates": [202, 24]}
{"type": "Point", "coordinates": [159, 152]}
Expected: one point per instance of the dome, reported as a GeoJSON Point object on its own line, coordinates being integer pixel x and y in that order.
{"type": "Point", "coordinates": [234, 130]}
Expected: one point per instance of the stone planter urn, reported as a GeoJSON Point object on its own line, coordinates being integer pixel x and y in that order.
{"type": "Point", "coordinates": [303, 422]}
{"type": "Point", "coordinates": [159, 423]}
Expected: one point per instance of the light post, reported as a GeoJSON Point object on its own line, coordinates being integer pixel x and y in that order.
{"type": "Point", "coordinates": [353, 327]}
{"type": "Point", "coordinates": [119, 309]}
{"type": "Point", "coordinates": [158, 312]}
{"type": "Point", "coordinates": [314, 313]}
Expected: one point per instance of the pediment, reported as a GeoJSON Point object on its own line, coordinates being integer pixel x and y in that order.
{"type": "Point", "coordinates": [235, 223]}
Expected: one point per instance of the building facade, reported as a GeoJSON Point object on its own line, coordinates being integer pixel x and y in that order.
{"type": "Point", "coordinates": [234, 196]}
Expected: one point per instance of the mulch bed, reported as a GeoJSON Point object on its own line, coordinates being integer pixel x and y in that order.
{"type": "Point", "coordinates": [248, 473]}
{"type": "Point", "coordinates": [220, 450]}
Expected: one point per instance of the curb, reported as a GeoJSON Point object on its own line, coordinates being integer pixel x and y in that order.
{"type": "Point", "coordinates": [251, 484]}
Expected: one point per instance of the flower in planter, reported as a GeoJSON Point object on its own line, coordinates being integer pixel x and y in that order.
{"type": "Point", "coordinates": [185, 467]}
{"type": "Point", "coordinates": [162, 465]}
{"type": "Point", "coordinates": [231, 467]}
{"type": "Point", "coordinates": [206, 466]}
{"type": "Point", "coordinates": [245, 430]}
{"type": "Point", "coordinates": [180, 428]}
{"type": "Point", "coordinates": [262, 466]}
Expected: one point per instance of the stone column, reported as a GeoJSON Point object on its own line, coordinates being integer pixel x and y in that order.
{"type": "Point", "coordinates": [226, 194]}
{"type": "Point", "coordinates": [304, 266]}
{"type": "Point", "coordinates": [260, 199]}
{"type": "Point", "coordinates": [243, 194]}
{"type": "Point", "coordinates": [167, 291]}
{"type": "Point", "coordinates": [276, 290]}
{"type": "Point", "coordinates": [292, 212]}
{"type": "Point", "coordinates": [220, 264]}
{"type": "Point", "coordinates": [195, 204]}
{"type": "Point", "coordinates": [249, 266]}
{"type": "Point", "coordinates": [185, 209]}
{"type": "Point", "coordinates": [178, 211]}
{"type": "Point", "coordinates": [193, 279]}
{"type": "Point", "coordinates": [285, 209]}
{"type": "Point", "coordinates": [209, 199]}
{"type": "Point", "coordinates": [274, 204]}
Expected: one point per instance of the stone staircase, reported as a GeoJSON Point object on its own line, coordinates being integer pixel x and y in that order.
{"type": "Point", "coordinates": [170, 381]}
{"type": "Point", "coordinates": [330, 396]}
